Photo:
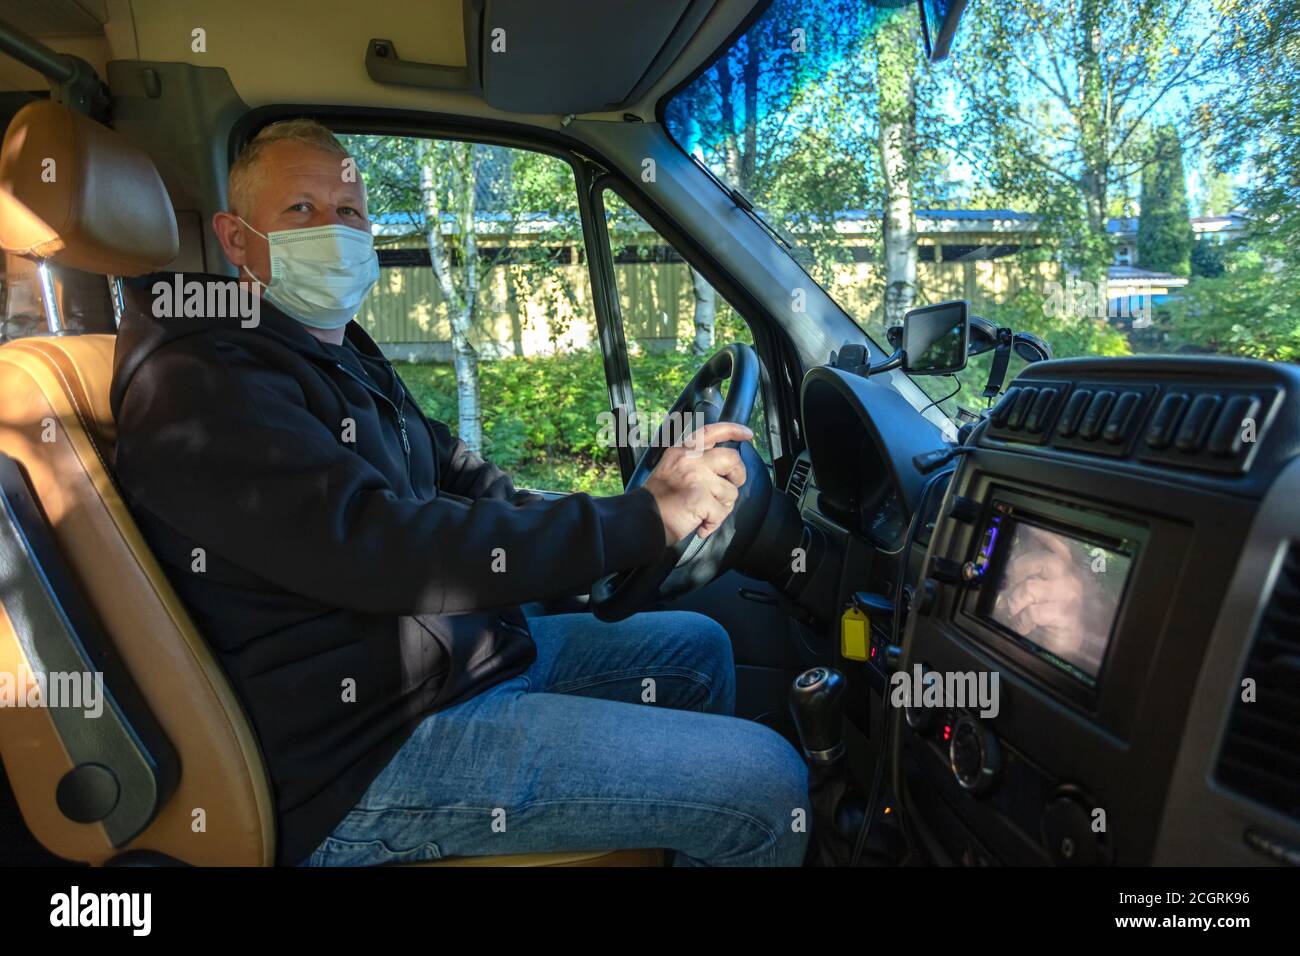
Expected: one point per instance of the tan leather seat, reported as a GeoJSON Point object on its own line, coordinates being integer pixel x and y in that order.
{"type": "Point", "coordinates": [110, 214]}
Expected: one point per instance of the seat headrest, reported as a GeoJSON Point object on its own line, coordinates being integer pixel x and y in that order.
{"type": "Point", "coordinates": [76, 193]}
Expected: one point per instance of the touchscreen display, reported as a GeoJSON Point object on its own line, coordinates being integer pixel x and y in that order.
{"type": "Point", "coordinates": [1061, 594]}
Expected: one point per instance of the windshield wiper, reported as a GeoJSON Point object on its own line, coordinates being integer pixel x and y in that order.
{"type": "Point", "coordinates": [744, 203]}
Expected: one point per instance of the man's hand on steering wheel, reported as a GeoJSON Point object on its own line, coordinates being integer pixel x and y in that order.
{"type": "Point", "coordinates": [695, 484]}
{"type": "Point", "coordinates": [713, 486]}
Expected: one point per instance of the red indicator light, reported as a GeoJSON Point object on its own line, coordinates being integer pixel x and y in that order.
{"type": "Point", "coordinates": [947, 731]}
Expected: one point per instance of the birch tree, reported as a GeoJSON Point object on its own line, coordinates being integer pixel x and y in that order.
{"type": "Point", "coordinates": [897, 44]}
{"type": "Point", "coordinates": [1059, 98]}
{"type": "Point", "coordinates": [448, 188]}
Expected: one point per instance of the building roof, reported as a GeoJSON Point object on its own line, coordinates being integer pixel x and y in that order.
{"type": "Point", "coordinates": [1127, 226]}
{"type": "Point", "coordinates": [1142, 278]}
{"type": "Point", "coordinates": [847, 221]}
{"type": "Point", "coordinates": [976, 215]}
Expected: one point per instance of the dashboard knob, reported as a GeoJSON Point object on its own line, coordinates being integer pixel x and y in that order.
{"type": "Point", "coordinates": [919, 717]}
{"type": "Point", "coordinates": [964, 509]}
{"type": "Point", "coordinates": [974, 755]}
{"type": "Point", "coordinates": [1068, 834]}
{"type": "Point", "coordinates": [923, 598]}
{"type": "Point", "coordinates": [946, 570]}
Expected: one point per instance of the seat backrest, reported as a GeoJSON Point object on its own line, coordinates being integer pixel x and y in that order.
{"type": "Point", "coordinates": [55, 422]}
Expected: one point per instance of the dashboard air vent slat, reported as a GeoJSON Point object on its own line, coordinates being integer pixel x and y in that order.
{"type": "Point", "coordinates": [1261, 749]}
{"type": "Point", "coordinates": [1286, 733]}
{"type": "Point", "coordinates": [799, 478]}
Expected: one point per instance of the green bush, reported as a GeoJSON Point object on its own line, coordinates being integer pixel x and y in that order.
{"type": "Point", "coordinates": [543, 416]}
{"type": "Point", "coordinates": [1248, 311]}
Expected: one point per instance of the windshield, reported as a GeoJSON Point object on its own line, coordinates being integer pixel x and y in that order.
{"type": "Point", "coordinates": [1115, 176]}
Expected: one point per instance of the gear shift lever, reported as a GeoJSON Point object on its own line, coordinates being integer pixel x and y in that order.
{"type": "Point", "coordinates": [817, 706]}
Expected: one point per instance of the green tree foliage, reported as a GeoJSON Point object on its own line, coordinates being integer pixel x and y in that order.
{"type": "Point", "coordinates": [1057, 96]}
{"type": "Point", "coordinates": [1218, 195]}
{"type": "Point", "coordinates": [430, 187]}
{"type": "Point", "coordinates": [542, 201]}
{"type": "Point", "coordinates": [770, 118]}
{"type": "Point", "coordinates": [542, 426]}
{"type": "Point", "coordinates": [790, 117]}
{"type": "Point", "coordinates": [896, 52]}
{"type": "Point", "coordinates": [1248, 308]}
{"type": "Point", "coordinates": [446, 191]}
{"type": "Point", "coordinates": [1207, 259]}
{"type": "Point", "coordinates": [1257, 121]}
{"type": "Point", "coordinates": [1248, 311]}
{"type": "Point", "coordinates": [1069, 333]}
{"type": "Point", "coordinates": [1164, 239]}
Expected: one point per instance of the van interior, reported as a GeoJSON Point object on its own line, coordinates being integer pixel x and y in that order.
{"type": "Point", "coordinates": [864, 567]}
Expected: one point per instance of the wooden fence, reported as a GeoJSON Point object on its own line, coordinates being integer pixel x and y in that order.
{"type": "Point", "coordinates": [522, 314]}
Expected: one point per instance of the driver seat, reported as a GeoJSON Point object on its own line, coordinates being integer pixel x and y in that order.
{"type": "Point", "coordinates": [169, 770]}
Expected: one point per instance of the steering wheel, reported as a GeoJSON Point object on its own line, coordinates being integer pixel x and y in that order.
{"type": "Point", "coordinates": [693, 561]}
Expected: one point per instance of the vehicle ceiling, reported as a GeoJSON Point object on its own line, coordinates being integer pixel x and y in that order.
{"type": "Point", "coordinates": [623, 54]}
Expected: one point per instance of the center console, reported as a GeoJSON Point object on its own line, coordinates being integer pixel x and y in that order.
{"type": "Point", "coordinates": [1076, 572]}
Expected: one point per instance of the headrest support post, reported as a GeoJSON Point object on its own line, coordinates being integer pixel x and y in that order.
{"type": "Point", "coordinates": [48, 299]}
{"type": "Point", "coordinates": [115, 295]}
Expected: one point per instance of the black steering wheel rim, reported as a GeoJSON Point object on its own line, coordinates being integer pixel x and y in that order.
{"type": "Point", "coordinates": [737, 363]}
{"type": "Point", "coordinates": [617, 596]}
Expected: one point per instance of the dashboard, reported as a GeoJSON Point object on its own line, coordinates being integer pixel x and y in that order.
{"type": "Point", "coordinates": [1084, 630]}
{"type": "Point", "coordinates": [884, 521]}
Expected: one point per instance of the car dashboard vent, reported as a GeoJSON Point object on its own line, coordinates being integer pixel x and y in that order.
{"type": "Point", "coordinates": [1205, 427]}
{"type": "Point", "coordinates": [799, 478]}
{"type": "Point", "coordinates": [1260, 758]}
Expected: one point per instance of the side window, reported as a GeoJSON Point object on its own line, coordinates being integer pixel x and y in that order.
{"type": "Point", "coordinates": [484, 303]}
{"type": "Point", "coordinates": [673, 319]}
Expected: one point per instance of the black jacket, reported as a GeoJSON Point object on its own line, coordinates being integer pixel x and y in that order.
{"type": "Point", "coordinates": [341, 553]}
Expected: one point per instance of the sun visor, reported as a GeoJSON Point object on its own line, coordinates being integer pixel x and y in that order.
{"type": "Point", "coordinates": [574, 56]}
{"type": "Point", "coordinates": [554, 56]}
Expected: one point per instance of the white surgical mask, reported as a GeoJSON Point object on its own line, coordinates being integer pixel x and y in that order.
{"type": "Point", "coordinates": [321, 274]}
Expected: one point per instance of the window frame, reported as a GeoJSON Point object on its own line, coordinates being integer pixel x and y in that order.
{"type": "Point", "coordinates": [616, 185]}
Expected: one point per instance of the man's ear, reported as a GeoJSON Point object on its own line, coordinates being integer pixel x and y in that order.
{"type": "Point", "coordinates": [230, 233]}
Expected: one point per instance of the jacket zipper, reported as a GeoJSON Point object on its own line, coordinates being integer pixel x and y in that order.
{"type": "Point", "coordinates": [400, 411]}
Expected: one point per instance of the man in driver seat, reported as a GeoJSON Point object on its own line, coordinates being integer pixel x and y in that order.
{"type": "Point", "coordinates": [357, 570]}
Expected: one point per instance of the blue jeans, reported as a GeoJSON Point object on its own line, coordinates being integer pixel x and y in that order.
{"type": "Point", "coordinates": [618, 736]}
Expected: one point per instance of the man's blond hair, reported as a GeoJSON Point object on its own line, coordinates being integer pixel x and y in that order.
{"type": "Point", "coordinates": [245, 173]}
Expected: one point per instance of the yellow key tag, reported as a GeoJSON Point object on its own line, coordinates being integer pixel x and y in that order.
{"type": "Point", "coordinates": [854, 628]}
